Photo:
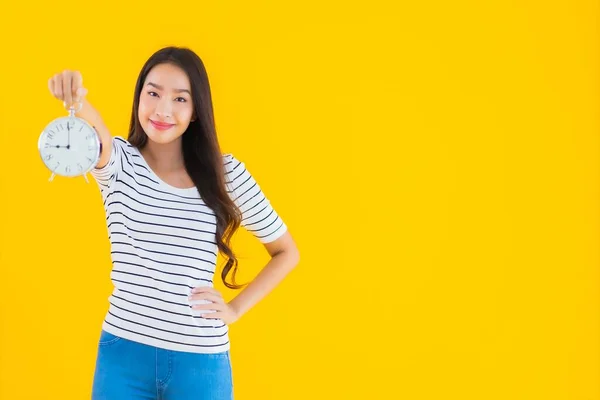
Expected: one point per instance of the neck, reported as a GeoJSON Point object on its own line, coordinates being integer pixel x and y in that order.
{"type": "Point", "coordinates": [164, 157]}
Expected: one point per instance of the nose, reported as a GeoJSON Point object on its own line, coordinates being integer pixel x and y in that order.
{"type": "Point", "coordinates": [163, 108]}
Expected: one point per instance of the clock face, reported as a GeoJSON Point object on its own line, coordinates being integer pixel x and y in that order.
{"type": "Point", "coordinates": [69, 146]}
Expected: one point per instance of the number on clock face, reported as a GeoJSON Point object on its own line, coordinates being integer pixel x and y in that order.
{"type": "Point", "coordinates": [68, 146]}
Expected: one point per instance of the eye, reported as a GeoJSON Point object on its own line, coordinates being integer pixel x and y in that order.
{"type": "Point", "coordinates": [183, 100]}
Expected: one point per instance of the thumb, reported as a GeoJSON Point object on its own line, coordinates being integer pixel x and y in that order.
{"type": "Point", "coordinates": [80, 94]}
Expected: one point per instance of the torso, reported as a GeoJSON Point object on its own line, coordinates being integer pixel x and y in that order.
{"type": "Point", "coordinates": [179, 179]}
{"type": "Point", "coordinates": [163, 244]}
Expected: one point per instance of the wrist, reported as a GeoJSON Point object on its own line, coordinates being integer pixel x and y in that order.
{"type": "Point", "coordinates": [90, 114]}
{"type": "Point", "coordinates": [236, 311]}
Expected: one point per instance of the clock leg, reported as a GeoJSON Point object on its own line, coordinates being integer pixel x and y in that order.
{"type": "Point", "coordinates": [51, 177]}
{"type": "Point", "coordinates": [86, 179]}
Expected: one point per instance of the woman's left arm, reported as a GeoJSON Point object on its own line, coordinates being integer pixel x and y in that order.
{"type": "Point", "coordinates": [284, 257]}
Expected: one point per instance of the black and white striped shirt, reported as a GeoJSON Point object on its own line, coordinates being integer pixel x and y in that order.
{"type": "Point", "coordinates": [163, 245]}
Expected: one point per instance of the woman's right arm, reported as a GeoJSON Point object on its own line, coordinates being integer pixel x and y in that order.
{"type": "Point", "coordinates": [67, 86]}
{"type": "Point", "coordinates": [92, 116]}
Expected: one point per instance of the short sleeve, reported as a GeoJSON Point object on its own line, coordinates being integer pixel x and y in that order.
{"type": "Point", "coordinates": [259, 217]}
{"type": "Point", "coordinates": [106, 175]}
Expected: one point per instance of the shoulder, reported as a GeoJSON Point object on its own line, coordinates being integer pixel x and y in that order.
{"type": "Point", "coordinates": [228, 158]}
{"type": "Point", "coordinates": [231, 163]}
{"type": "Point", "coordinates": [122, 146]}
{"type": "Point", "coordinates": [122, 142]}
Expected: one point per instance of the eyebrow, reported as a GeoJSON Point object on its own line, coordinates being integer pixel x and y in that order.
{"type": "Point", "coordinates": [161, 88]}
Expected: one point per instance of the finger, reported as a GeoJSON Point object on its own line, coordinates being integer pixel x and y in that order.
{"type": "Point", "coordinates": [51, 86]}
{"type": "Point", "coordinates": [58, 91]}
{"type": "Point", "coordinates": [201, 289]}
{"type": "Point", "coordinates": [211, 306]}
{"type": "Point", "coordinates": [207, 296]}
{"type": "Point", "coordinates": [214, 315]}
{"type": "Point", "coordinates": [77, 85]}
{"type": "Point", "coordinates": [206, 292]}
{"type": "Point", "coordinates": [67, 85]}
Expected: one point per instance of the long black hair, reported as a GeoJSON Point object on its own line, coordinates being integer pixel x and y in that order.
{"type": "Point", "coordinates": [201, 150]}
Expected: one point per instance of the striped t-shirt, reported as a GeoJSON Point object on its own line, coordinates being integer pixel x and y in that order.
{"type": "Point", "coordinates": [162, 241]}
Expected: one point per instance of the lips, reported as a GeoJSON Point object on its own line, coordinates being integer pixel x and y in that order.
{"type": "Point", "coordinates": [161, 126]}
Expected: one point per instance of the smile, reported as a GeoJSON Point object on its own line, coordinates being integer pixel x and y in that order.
{"type": "Point", "coordinates": [161, 126]}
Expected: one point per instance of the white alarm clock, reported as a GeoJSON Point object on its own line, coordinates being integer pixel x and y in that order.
{"type": "Point", "coordinates": [69, 146]}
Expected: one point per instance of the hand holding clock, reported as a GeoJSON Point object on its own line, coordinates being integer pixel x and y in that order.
{"type": "Point", "coordinates": [73, 133]}
{"type": "Point", "coordinates": [67, 86]}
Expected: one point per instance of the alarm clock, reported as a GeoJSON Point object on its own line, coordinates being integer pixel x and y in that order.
{"type": "Point", "coordinates": [69, 146]}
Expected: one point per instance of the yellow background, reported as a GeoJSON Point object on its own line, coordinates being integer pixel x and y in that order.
{"type": "Point", "coordinates": [436, 162]}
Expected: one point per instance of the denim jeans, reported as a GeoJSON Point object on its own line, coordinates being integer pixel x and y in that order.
{"type": "Point", "coordinates": [134, 371]}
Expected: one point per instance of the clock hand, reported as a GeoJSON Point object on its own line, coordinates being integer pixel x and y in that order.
{"type": "Point", "coordinates": [68, 136]}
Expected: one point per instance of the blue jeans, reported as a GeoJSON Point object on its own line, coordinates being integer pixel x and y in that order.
{"type": "Point", "coordinates": [135, 371]}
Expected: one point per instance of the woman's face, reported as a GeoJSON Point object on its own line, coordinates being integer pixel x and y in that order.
{"type": "Point", "coordinates": [165, 110]}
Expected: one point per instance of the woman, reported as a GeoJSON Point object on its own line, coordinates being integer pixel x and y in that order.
{"type": "Point", "coordinates": [172, 202]}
